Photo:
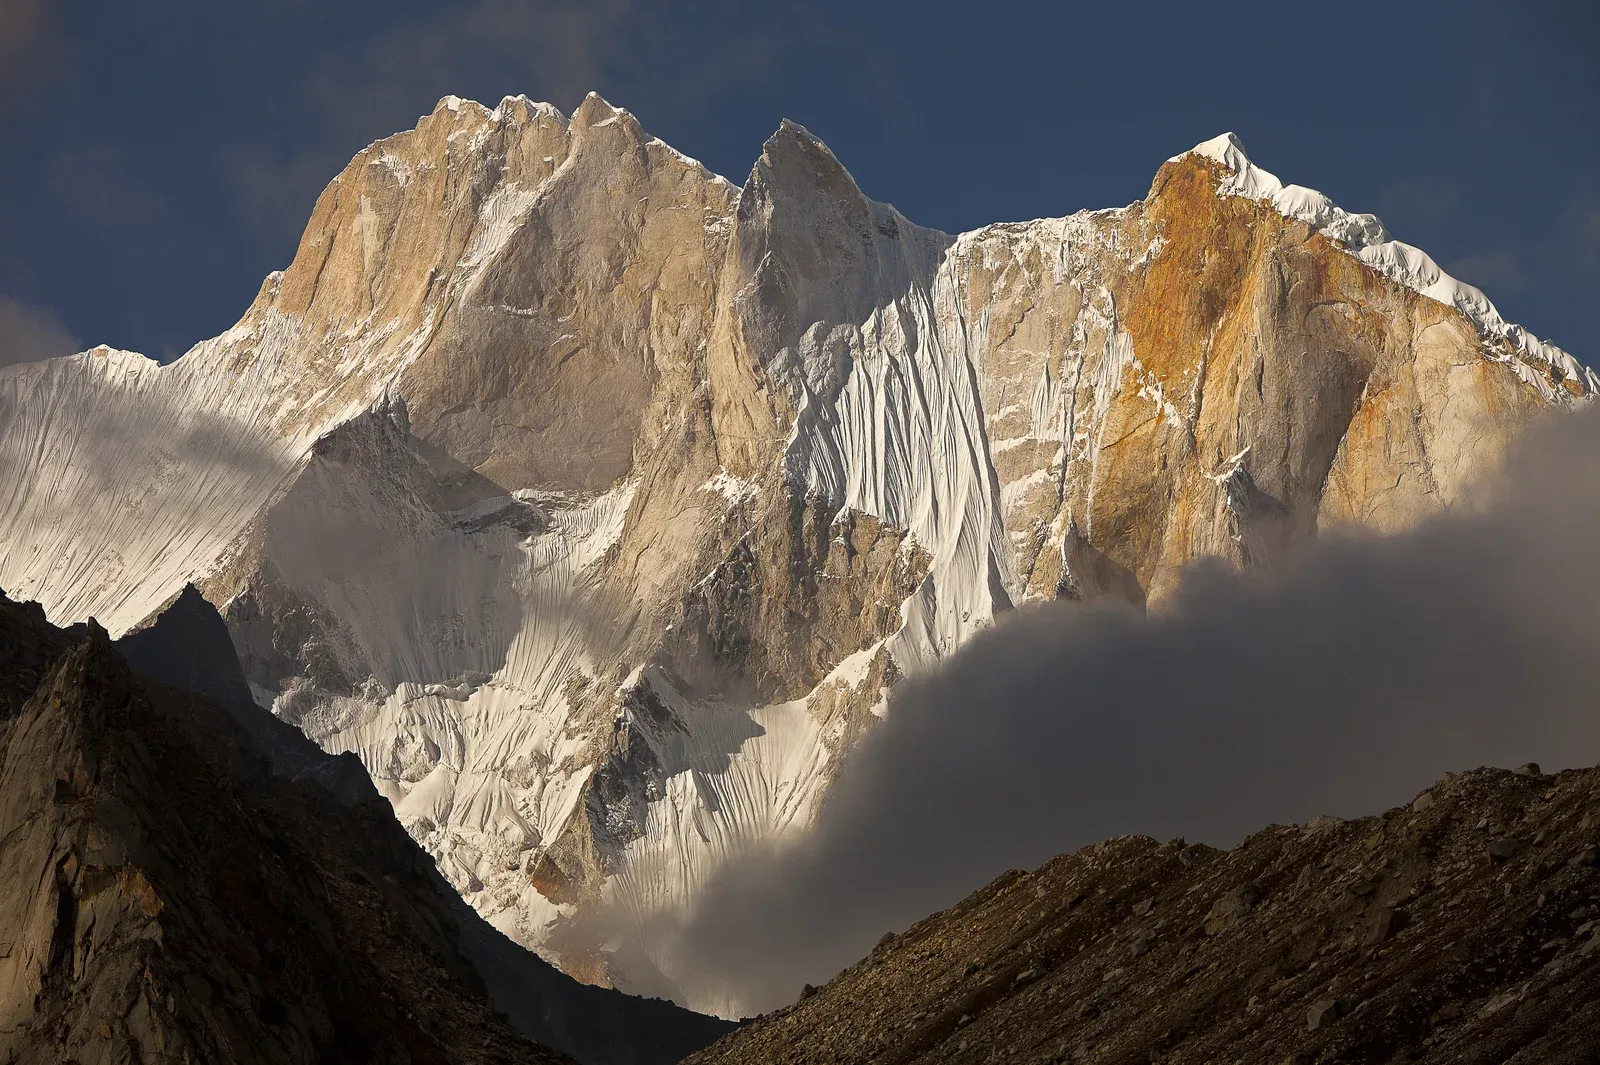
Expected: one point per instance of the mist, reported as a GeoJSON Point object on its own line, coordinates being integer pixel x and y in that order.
{"type": "Point", "coordinates": [29, 333]}
{"type": "Point", "coordinates": [1343, 683]}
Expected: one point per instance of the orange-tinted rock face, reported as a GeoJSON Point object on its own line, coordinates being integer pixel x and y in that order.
{"type": "Point", "coordinates": [1143, 364]}
{"type": "Point", "coordinates": [636, 488]}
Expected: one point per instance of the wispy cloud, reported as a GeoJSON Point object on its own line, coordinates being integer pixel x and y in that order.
{"type": "Point", "coordinates": [554, 49]}
{"type": "Point", "coordinates": [29, 49]}
{"type": "Point", "coordinates": [1341, 685]}
{"type": "Point", "coordinates": [99, 182]}
{"type": "Point", "coordinates": [562, 45]}
{"type": "Point", "coordinates": [1416, 203]}
{"type": "Point", "coordinates": [29, 333]}
{"type": "Point", "coordinates": [1522, 272]}
{"type": "Point", "coordinates": [273, 188]}
{"type": "Point", "coordinates": [1582, 226]}
{"type": "Point", "coordinates": [1493, 271]}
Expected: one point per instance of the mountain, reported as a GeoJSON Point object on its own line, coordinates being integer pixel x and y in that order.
{"type": "Point", "coordinates": [188, 648]}
{"type": "Point", "coordinates": [594, 502]}
{"type": "Point", "coordinates": [170, 893]}
{"type": "Point", "coordinates": [1463, 928]}
{"type": "Point", "coordinates": [164, 898]}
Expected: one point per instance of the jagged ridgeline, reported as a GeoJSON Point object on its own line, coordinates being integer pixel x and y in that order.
{"type": "Point", "coordinates": [594, 502]}
{"type": "Point", "coordinates": [1461, 929]}
{"type": "Point", "coordinates": [185, 878]}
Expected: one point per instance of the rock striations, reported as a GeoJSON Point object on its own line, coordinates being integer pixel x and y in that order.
{"type": "Point", "coordinates": [594, 502]}
{"type": "Point", "coordinates": [1463, 929]}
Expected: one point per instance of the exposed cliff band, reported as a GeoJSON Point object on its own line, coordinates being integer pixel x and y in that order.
{"type": "Point", "coordinates": [594, 501]}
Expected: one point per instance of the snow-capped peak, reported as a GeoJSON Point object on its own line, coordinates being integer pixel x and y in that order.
{"type": "Point", "coordinates": [1365, 237]}
{"type": "Point", "coordinates": [510, 104]}
{"type": "Point", "coordinates": [1225, 149]}
{"type": "Point", "coordinates": [911, 430]}
{"type": "Point", "coordinates": [1295, 201]}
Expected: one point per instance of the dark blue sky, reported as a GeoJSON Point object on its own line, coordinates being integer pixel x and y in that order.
{"type": "Point", "coordinates": [161, 157]}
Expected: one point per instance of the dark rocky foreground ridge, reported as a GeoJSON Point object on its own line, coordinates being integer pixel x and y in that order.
{"type": "Point", "coordinates": [1463, 928]}
{"type": "Point", "coordinates": [166, 897]}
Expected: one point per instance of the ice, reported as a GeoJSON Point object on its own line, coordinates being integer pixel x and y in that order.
{"type": "Point", "coordinates": [121, 479]}
{"type": "Point", "coordinates": [1363, 236]}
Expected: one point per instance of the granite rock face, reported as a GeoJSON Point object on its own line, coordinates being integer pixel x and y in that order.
{"type": "Point", "coordinates": [595, 502]}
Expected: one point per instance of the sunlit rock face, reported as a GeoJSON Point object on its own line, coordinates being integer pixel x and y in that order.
{"type": "Point", "coordinates": [596, 502]}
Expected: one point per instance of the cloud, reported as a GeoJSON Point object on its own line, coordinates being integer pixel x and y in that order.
{"type": "Point", "coordinates": [23, 24]}
{"type": "Point", "coordinates": [1342, 684]}
{"type": "Point", "coordinates": [1493, 271]}
{"type": "Point", "coordinates": [98, 182]}
{"type": "Point", "coordinates": [1581, 224]}
{"type": "Point", "coordinates": [1414, 203]}
{"type": "Point", "coordinates": [29, 333]}
{"type": "Point", "coordinates": [554, 49]}
{"type": "Point", "coordinates": [274, 189]}
{"type": "Point", "coordinates": [29, 49]}
{"type": "Point", "coordinates": [340, 99]}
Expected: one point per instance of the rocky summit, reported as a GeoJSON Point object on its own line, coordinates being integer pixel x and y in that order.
{"type": "Point", "coordinates": [169, 892]}
{"type": "Point", "coordinates": [594, 501]}
{"type": "Point", "coordinates": [1463, 928]}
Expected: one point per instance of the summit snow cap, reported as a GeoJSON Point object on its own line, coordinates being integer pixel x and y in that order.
{"type": "Point", "coordinates": [1293, 201]}
{"type": "Point", "coordinates": [1365, 237]}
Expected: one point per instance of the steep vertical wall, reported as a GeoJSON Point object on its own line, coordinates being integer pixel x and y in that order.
{"type": "Point", "coordinates": [596, 502]}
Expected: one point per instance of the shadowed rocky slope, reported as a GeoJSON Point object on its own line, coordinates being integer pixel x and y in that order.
{"type": "Point", "coordinates": [1459, 929]}
{"type": "Point", "coordinates": [165, 897]}
{"type": "Point", "coordinates": [187, 646]}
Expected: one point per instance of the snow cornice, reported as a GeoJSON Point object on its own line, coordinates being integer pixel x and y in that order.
{"type": "Point", "coordinates": [1366, 238]}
